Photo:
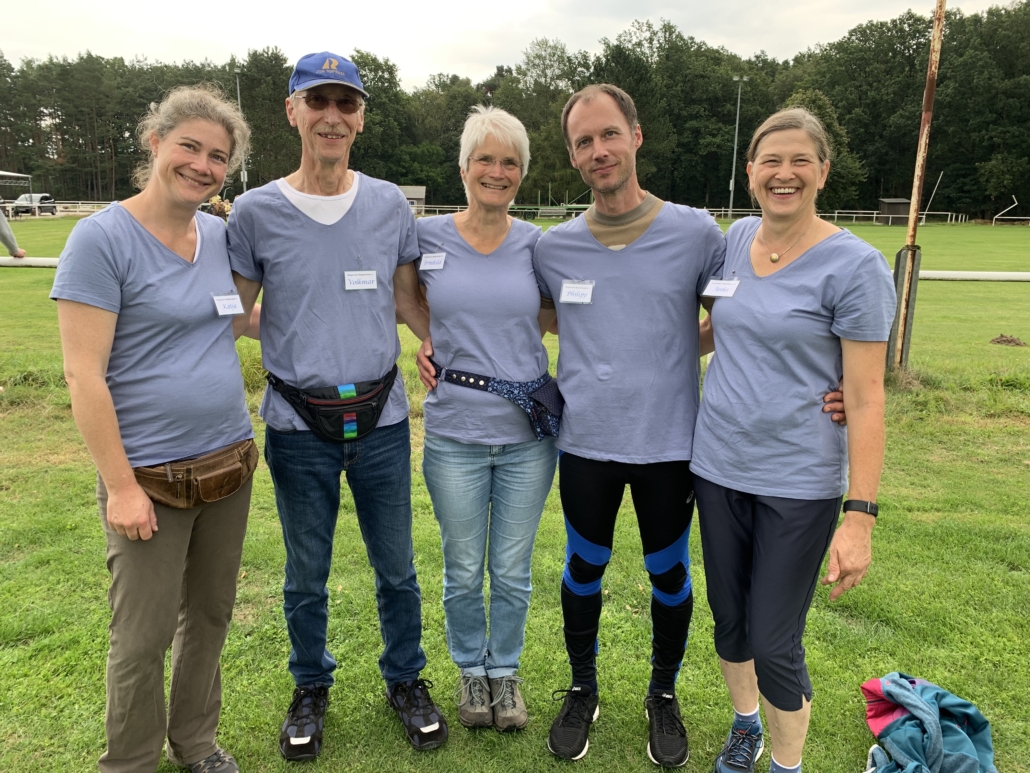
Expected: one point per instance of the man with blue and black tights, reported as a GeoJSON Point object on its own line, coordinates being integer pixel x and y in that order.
{"type": "Point", "coordinates": [625, 281]}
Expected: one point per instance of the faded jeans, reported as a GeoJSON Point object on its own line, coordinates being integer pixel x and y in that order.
{"type": "Point", "coordinates": [488, 500]}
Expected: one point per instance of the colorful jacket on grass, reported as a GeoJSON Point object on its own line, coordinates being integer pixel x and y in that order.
{"type": "Point", "coordinates": [925, 729]}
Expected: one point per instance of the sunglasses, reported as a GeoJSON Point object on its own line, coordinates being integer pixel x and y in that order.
{"type": "Point", "coordinates": [347, 105]}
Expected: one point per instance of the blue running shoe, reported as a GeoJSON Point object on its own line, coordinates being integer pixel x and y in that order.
{"type": "Point", "coordinates": [743, 748]}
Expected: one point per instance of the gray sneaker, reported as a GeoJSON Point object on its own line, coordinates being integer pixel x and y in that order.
{"type": "Point", "coordinates": [473, 699]}
{"type": "Point", "coordinates": [509, 708]}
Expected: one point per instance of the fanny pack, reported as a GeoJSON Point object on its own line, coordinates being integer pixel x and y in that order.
{"type": "Point", "coordinates": [540, 399]}
{"type": "Point", "coordinates": [342, 413]}
{"type": "Point", "coordinates": [194, 482]}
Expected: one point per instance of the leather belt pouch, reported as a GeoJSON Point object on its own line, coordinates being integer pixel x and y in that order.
{"type": "Point", "coordinates": [195, 482]}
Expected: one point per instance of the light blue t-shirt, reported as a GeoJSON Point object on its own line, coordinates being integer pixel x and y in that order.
{"type": "Point", "coordinates": [173, 372]}
{"type": "Point", "coordinates": [483, 319]}
{"type": "Point", "coordinates": [761, 428]}
{"type": "Point", "coordinates": [628, 361]}
{"type": "Point", "coordinates": [314, 331]}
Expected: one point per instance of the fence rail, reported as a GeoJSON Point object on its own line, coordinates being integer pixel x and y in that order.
{"type": "Point", "coordinates": [852, 216]}
{"type": "Point", "coordinates": [571, 210]}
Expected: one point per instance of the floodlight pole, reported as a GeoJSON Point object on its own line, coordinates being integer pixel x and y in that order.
{"type": "Point", "coordinates": [239, 103]}
{"type": "Point", "coordinates": [736, 132]}
{"type": "Point", "coordinates": [906, 266]}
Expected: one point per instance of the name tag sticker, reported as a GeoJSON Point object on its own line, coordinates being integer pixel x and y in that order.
{"type": "Point", "coordinates": [228, 305]}
{"type": "Point", "coordinates": [721, 288]}
{"type": "Point", "coordinates": [359, 280]}
{"type": "Point", "coordinates": [577, 291]}
{"type": "Point", "coordinates": [432, 261]}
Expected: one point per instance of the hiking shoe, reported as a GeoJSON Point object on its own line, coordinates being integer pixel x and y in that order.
{"type": "Point", "coordinates": [666, 736]}
{"type": "Point", "coordinates": [301, 736]}
{"type": "Point", "coordinates": [508, 706]}
{"type": "Point", "coordinates": [743, 748]}
{"type": "Point", "coordinates": [219, 762]}
{"type": "Point", "coordinates": [473, 699]}
{"type": "Point", "coordinates": [424, 725]}
{"type": "Point", "coordinates": [570, 730]}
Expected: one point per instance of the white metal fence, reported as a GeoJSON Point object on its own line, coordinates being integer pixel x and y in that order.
{"type": "Point", "coordinates": [571, 210]}
{"type": "Point", "coordinates": [854, 216]}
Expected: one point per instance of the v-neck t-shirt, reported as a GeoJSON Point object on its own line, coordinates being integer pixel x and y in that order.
{"type": "Point", "coordinates": [628, 359]}
{"type": "Point", "coordinates": [761, 428]}
{"type": "Point", "coordinates": [173, 372]}
{"type": "Point", "coordinates": [314, 331]}
{"type": "Point", "coordinates": [483, 319]}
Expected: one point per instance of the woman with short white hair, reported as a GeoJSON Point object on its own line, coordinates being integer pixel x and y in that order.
{"type": "Point", "coordinates": [489, 446]}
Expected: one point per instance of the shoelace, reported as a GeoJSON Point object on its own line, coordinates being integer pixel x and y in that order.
{"type": "Point", "coordinates": [741, 747]}
{"type": "Point", "coordinates": [475, 687]}
{"type": "Point", "coordinates": [507, 697]}
{"type": "Point", "coordinates": [575, 712]}
{"type": "Point", "coordinates": [416, 694]}
{"type": "Point", "coordinates": [308, 692]}
{"type": "Point", "coordinates": [212, 763]}
{"type": "Point", "coordinates": [665, 716]}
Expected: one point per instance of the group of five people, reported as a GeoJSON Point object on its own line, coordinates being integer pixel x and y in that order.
{"type": "Point", "coordinates": [151, 294]}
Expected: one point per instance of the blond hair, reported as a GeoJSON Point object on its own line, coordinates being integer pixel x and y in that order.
{"type": "Point", "coordinates": [184, 103]}
{"type": "Point", "coordinates": [793, 118]}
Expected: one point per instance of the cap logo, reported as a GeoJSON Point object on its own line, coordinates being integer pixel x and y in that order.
{"type": "Point", "coordinates": [330, 64]}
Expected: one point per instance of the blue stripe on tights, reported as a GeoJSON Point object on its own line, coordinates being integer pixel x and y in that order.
{"type": "Point", "coordinates": [664, 560]}
{"type": "Point", "coordinates": [589, 552]}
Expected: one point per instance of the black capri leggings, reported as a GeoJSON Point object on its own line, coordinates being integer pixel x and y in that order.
{"type": "Point", "coordinates": [762, 557]}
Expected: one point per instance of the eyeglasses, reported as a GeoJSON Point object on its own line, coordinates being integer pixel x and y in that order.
{"type": "Point", "coordinates": [347, 105]}
{"type": "Point", "coordinates": [487, 162]}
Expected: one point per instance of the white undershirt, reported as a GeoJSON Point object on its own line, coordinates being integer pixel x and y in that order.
{"type": "Point", "coordinates": [322, 209]}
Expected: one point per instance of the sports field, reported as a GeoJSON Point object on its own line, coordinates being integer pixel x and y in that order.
{"type": "Point", "coordinates": [946, 597]}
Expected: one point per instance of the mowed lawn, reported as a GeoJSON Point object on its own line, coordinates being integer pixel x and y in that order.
{"type": "Point", "coordinates": [946, 597]}
{"type": "Point", "coordinates": [964, 247]}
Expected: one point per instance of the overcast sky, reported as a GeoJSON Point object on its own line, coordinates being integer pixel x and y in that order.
{"type": "Point", "coordinates": [467, 37]}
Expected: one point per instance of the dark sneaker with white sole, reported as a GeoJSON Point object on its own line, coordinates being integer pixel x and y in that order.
{"type": "Point", "coordinates": [424, 724]}
{"type": "Point", "coordinates": [743, 748]}
{"type": "Point", "coordinates": [301, 735]}
{"type": "Point", "coordinates": [666, 737]}
{"type": "Point", "coordinates": [570, 731]}
{"type": "Point", "coordinates": [219, 762]}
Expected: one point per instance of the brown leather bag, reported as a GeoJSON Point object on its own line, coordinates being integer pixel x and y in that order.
{"type": "Point", "coordinates": [207, 478]}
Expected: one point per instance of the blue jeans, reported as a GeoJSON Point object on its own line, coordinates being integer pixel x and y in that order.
{"type": "Point", "coordinates": [306, 474]}
{"type": "Point", "coordinates": [487, 495]}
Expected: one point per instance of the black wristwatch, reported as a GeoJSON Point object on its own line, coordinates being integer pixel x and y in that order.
{"type": "Point", "coordinates": [861, 506]}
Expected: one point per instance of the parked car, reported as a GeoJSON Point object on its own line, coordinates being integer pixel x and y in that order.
{"type": "Point", "coordinates": [35, 203]}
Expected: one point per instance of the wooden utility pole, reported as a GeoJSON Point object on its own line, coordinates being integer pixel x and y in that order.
{"type": "Point", "coordinates": [906, 264]}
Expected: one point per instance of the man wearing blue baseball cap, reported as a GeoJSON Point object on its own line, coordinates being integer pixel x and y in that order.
{"type": "Point", "coordinates": [333, 251]}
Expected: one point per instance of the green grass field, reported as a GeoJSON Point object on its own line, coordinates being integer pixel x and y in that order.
{"type": "Point", "coordinates": [946, 597]}
{"type": "Point", "coordinates": [963, 247]}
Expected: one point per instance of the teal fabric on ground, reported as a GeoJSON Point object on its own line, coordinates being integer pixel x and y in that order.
{"type": "Point", "coordinates": [942, 733]}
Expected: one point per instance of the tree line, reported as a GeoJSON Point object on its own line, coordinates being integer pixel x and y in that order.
{"type": "Point", "coordinates": [70, 123]}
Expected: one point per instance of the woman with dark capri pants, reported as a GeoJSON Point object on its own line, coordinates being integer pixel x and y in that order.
{"type": "Point", "coordinates": [804, 304]}
{"type": "Point", "coordinates": [487, 473]}
{"type": "Point", "coordinates": [145, 306]}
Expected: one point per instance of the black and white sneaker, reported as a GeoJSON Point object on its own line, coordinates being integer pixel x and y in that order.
{"type": "Point", "coordinates": [666, 737]}
{"type": "Point", "coordinates": [570, 731]}
{"type": "Point", "coordinates": [424, 724]}
{"type": "Point", "coordinates": [301, 735]}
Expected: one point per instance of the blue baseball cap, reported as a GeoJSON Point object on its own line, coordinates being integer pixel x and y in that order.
{"type": "Point", "coordinates": [324, 67]}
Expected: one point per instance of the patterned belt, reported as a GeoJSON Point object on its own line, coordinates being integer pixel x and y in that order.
{"type": "Point", "coordinates": [540, 398]}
